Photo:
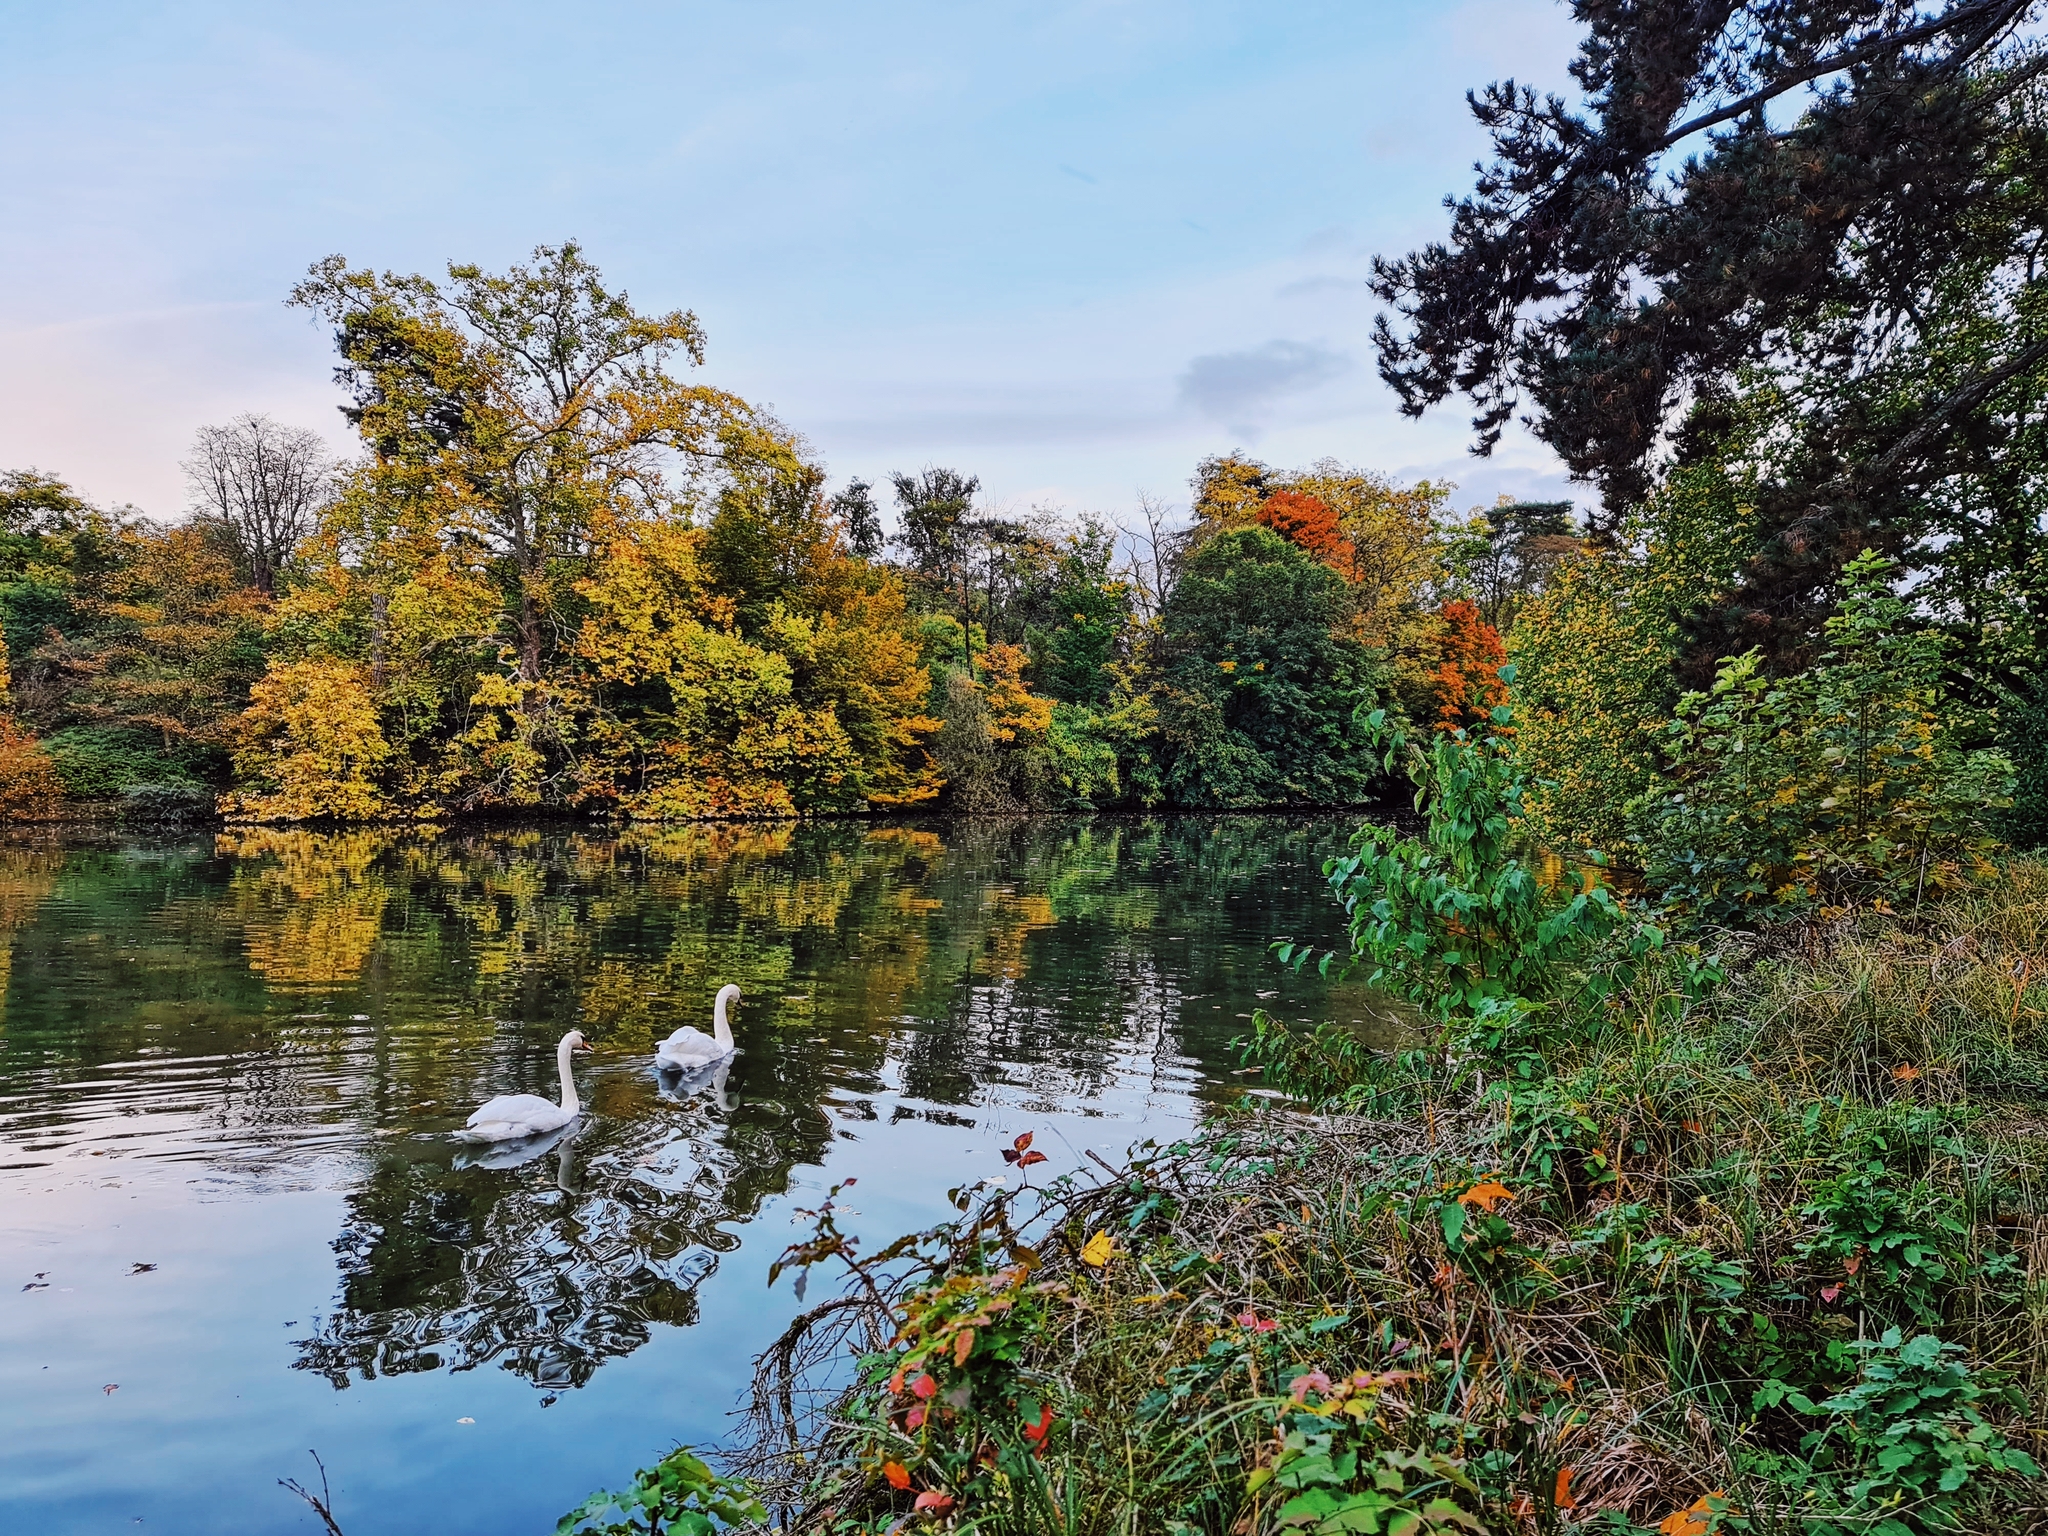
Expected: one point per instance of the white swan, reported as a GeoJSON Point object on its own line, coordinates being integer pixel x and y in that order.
{"type": "Point", "coordinates": [513, 1115]}
{"type": "Point", "coordinates": [688, 1048]}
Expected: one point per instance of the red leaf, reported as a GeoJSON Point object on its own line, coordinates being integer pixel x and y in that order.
{"type": "Point", "coordinates": [1036, 1433]}
{"type": "Point", "coordinates": [925, 1387]}
{"type": "Point", "coordinates": [1830, 1292]}
{"type": "Point", "coordinates": [1314, 1381]}
{"type": "Point", "coordinates": [915, 1418]}
{"type": "Point", "coordinates": [938, 1503]}
{"type": "Point", "coordinates": [1022, 1143]}
{"type": "Point", "coordinates": [1029, 1158]}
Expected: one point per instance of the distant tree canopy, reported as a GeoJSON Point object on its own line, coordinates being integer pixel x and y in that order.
{"type": "Point", "coordinates": [1259, 680]}
{"type": "Point", "coordinates": [564, 575]}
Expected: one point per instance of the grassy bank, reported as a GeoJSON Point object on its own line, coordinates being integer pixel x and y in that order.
{"type": "Point", "coordinates": [1763, 1261]}
{"type": "Point", "coordinates": [1739, 1233]}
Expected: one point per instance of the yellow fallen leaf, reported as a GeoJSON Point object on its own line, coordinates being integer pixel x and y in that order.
{"type": "Point", "coordinates": [1098, 1250]}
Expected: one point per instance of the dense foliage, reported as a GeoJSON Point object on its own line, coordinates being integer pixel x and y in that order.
{"type": "Point", "coordinates": [563, 576]}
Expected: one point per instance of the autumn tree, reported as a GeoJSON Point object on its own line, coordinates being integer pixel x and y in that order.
{"type": "Point", "coordinates": [1469, 658]}
{"type": "Point", "coordinates": [1386, 545]}
{"type": "Point", "coordinates": [536, 404]}
{"type": "Point", "coordinates": [1309, 523]}
{"type": "Point", "coordinates": [132, 645]}
{"type": "Point", "coordinates": [513, 421]}
{"type": "Point", "coordinates": [29, 787]}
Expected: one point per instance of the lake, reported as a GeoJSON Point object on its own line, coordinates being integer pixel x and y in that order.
{"type": "Point", "coordinates": [234, 1228]}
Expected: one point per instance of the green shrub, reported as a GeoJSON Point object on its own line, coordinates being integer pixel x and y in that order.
{"type": "Point", "coordinates": [678, 1496]}
{"type": "Point", "coordinates": [95, 763]}
{"type": "Point", "coordinates": [1895, 1451]}
{"type": "Point", "coordinates": [1457, 921]}
{"type": "Point", "coordinates": [1841, 785]}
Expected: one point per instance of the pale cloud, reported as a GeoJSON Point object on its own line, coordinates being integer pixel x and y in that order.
{"type": "Point", "coordinates": [1240, 388]}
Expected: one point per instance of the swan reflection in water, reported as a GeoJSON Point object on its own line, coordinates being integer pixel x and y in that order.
{"type": "Point", "coordinates": [516, 1154]}
{"type": "Point", "coordinates": [450, 1262]}
{"type": "Point", "coordinates": [683, 1086]}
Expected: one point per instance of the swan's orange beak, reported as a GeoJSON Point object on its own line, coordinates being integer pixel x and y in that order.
{"type": "Point", "coordinates": [585, 1046]}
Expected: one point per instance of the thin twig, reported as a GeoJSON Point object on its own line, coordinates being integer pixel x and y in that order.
{"type": "Point", "coordinates": [323, 1502]}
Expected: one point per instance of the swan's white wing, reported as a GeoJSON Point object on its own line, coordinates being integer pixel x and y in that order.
{"type": "Point", "coordinates": [688, 1047]}
{"type": "Point", "coordinates": [513, 1115]}
{"type": "Point", "coordinates": [515, 1108]}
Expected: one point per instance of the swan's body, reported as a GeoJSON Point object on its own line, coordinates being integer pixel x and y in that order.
{"type": "Point", "coordinates": [516, 1152]}
{"type": "Point", "coordinates": [688, 1049]}
{"type": "Point", "coordinates": [512, 1116]}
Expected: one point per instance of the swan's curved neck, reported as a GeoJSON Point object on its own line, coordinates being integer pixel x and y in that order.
{"type": "Point", "coordinates": [569, 1099]}
{"type": "Point", "coordinates": [720, 1030]}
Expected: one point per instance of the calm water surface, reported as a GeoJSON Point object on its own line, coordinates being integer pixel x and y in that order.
{"type": "Point", "coordinates": [232, 1227]}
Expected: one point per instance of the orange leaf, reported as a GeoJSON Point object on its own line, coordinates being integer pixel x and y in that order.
{"type": "Point", "coordinates": [1029, 1158]}
{"type": "Point", "coordinates": [963, 1346]}
{"type": "Point", "coordinates": [1697, 1519]}
{"type": "Point", "coordinates": [1906, 1074]}
{"type": "Point", "coordinates": [1562, 1498]}
{"type": "Point", "coordinates": [897, 1473]}
{"type": "Point", "coordinates": [1036, 1433]}
{"type": "Point", "coordinates": [1852, 1263]}
{"type": "Point", "coordinates": [1486, 1195]}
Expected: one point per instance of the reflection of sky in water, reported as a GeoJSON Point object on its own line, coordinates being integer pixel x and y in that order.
{"type": "Point", "coordinates": [235, 1061]}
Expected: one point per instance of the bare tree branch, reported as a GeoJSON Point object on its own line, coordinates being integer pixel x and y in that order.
{"type": "Point", "coordinates": [266, 484]}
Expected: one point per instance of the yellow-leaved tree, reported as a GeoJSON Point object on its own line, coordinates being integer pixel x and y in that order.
{"type": "Point", "coordinates": [312, 745]}
{"type": "Point", "coordinates": [515, 588]}
{"type": "Point", "coordinates": [1594, 651]}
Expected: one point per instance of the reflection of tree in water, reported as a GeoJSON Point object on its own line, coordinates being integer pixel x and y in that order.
{"type": "Point", "coordinates": [368, 987]}
{"type": "Point", "coordinates": [28, 873]}
{"type": "Point", "coordinates": [561, 1265]}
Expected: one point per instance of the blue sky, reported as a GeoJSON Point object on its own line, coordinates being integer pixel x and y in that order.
{"type": "Point", "coordinates": [1071, 247]}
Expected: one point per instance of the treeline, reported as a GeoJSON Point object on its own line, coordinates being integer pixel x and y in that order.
{"type": "Point", "coordinates": [561, 576]}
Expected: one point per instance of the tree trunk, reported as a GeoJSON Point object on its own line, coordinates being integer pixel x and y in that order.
{"type": "Point", "coordinates": [380, 622]}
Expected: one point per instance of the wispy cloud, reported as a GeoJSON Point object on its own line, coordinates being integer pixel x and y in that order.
{"type": "Point", "coordinates": [1317, 287]}
{"type": "Point", "coordinates": [1237, 388]}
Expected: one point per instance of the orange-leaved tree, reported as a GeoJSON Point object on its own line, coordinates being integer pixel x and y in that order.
{"type": "Point", "coordinates": [1469, 658]}
{"type": "Point", "coordinates": [28, 782]}
{"type": "Point", "coordinates": [1310, 523]}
